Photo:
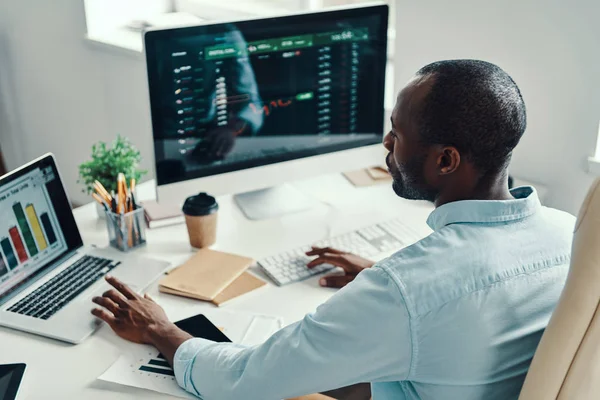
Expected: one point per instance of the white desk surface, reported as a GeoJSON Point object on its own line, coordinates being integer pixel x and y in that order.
{"type": "Point", "coordinates": [56, 370]}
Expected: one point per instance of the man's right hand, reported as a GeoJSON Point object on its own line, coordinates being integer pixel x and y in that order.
{"type": "Point", "coordinates": [350, 263]}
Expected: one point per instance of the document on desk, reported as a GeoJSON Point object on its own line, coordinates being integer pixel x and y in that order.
{"type": "Point", "coordinates": [144, 367]}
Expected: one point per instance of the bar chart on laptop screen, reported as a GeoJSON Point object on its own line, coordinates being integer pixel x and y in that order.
{"type": "Point", "coordinates": [30, 234]}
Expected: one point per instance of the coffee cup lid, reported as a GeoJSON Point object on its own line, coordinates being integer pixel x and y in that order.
{"type": "Point", "coordinates": [200, 204]}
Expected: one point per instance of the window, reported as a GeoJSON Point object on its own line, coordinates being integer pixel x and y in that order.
{"type": "Point", "coordinates": [119, 23]}
{"type": "Point", "coordinates": [594, 161]}
{"type": "Point", "coordinates": [214, 9]}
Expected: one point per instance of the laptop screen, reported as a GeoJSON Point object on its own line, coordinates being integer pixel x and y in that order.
{"type": "Point", "coordinates": [36, 224]}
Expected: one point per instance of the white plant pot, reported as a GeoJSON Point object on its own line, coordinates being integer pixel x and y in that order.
{"type": "Point", "coordinates": [100, 211]}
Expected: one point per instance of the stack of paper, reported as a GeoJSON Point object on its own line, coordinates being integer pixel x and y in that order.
{"type": "Point", "coordinates": [141, 366]}
{"type": "Point", "coordinates": [212, 276]}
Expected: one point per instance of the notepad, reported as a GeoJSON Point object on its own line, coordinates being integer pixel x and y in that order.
{"type": "Point", "coordinates": [245, 283]}
{"type": "Point", "coordinates": [206, 274]}
{"type": "Point", "coordinates": [159, 215]}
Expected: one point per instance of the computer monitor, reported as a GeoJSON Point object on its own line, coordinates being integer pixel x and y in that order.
{"type": "Point", "coordinates": [246, 105]}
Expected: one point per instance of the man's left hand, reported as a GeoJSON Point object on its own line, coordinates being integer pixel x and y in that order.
{"type": "Point", "coordinates": [130, 315]}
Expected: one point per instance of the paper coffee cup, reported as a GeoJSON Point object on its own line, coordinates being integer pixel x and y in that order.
{"type": "Point", "coordinates": [201, 213]}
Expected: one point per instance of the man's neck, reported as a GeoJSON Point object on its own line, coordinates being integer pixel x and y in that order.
{"type": "Point", "coordinates": [494, 188]}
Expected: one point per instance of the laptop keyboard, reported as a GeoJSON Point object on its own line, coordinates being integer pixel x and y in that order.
{"type": "Point", "coordinates": [49, 298]}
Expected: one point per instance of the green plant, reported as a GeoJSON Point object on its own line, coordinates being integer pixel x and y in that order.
{"type": "Point", "coordinates": [107, 162]}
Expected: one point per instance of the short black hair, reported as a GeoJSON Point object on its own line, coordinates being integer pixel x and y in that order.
{"type": "Point", "coordinates": [476, 107]}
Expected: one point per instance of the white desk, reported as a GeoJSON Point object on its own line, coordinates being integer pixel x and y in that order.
{"type": "Point", "coordinates": [57, 370]}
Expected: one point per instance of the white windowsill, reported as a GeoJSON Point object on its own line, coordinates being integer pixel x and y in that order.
{"type": "Point", "coordinates": [123, 40]}
{"type": "Point", "coordinates": [594, 166]}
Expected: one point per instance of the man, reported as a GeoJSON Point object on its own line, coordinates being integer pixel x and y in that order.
{"type": "Point", "coordinates": [457, 315]}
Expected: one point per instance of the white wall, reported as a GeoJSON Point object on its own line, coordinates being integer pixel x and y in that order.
{"type": "Point", "coordinates": [552, 50]}
{"type": "Point", "coordinates": [62, 94]}
{"type": "Point", "coordinates": [59, 94]}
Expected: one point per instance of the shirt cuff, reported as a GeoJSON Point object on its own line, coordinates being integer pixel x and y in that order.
{"type": "Point", "coordinates": [183, 362]}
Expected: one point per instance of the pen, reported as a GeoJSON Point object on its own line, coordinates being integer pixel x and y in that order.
{"type": "Point", "coordinates": [134, 205]}
{"type": "Point", "coordinates": [136, 216]}
{"type": "Point", "coordinates": [132, 183]}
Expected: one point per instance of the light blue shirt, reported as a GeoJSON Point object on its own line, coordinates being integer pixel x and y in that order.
{"type": "Point", "coordinates": [458, 315]}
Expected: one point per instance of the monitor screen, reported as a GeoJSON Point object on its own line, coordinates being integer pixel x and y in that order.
{"type": "Point", "coordinates": [37, 224]}
{"type": "Point", "coordinates": [231, 96]}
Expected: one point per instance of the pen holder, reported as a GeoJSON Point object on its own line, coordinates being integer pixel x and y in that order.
{"type": "Point", "coordinates": [126, 231]}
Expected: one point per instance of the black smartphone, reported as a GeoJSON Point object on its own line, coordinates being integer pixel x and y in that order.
{"type": "Point", "coordinates": [199, 326]}
{"type": "Point", "coordinates": [10, 379]}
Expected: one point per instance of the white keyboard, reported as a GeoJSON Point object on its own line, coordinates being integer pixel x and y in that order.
{"type": "Point", "coordinates": [290, 266]}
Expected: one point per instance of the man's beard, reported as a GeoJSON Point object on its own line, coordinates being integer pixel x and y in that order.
{"type": "Point", "coordinates": [408, 180]}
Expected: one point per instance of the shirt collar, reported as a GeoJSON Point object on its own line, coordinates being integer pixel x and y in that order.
{"type": "Point", "coordinates": [525, 204]}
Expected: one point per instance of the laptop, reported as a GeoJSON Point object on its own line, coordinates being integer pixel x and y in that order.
{"type": "Point", "coordinates": [47, 276]}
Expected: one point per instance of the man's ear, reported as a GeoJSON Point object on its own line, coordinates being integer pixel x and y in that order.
{"type": "Point", "coordinates": [448, 160]}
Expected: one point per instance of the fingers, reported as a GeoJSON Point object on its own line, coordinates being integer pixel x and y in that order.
{"type": "Point", "coordinates": [147, 296]}
{"type": "Point", "coordinates": [104, 316]}
{"type": "Point", "coordinates": [121, 287]}
{"type": "Point", "coordinates": [222, 146]}
{"type": "Point", "coordinates": [215, 146]}
{"type": "Point", "coordinates": [225, 144]}
{"type": "Point", "coordinates": [116, 297]}
{"type": "Point", "coordinates": [227, 147]}
{"type": "Point", "coordinates": [212, 145]}
{"type": "Point", "coordinates": [107, 303]}
{"type": "Point", "coordinates": [334, 259]}
{"type": "Point", "coordinates": [336, 281]}
{"type": "Point", "coordinates": [317, 251]}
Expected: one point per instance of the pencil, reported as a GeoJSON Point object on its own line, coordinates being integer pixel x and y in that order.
{"type": "Point", "coordinates": [129, 230]}
{"type": "Point", "coordinates": [102, 191]}
{"type": "Point", "coordinates": [120, 193]}
{"type": "Point", "coordinates": [99, 199]}
{"type": "Point", "coordinates": [102, 195]}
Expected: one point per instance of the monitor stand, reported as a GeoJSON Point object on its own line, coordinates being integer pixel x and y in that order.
{"type": "Point", "coordinates": [273, 202]}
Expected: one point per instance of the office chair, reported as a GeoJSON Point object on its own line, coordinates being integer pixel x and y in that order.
{"type": "Point", "coordinates": [566, 364]}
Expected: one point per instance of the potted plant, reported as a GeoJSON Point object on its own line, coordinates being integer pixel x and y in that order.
{"type": "Point", "coordinates": [107, 162]}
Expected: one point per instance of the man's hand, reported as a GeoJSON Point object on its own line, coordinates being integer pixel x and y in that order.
{"type": "Point", "coordinates": [220, 142]}
{"type": "Point", "coordinates": [139, 319]}
{"type": "Point", "coordinates": [350, 263]}
{"type": "Point", "coordinates": [131, 316]}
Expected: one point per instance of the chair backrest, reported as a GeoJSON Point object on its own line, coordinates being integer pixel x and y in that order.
{"type": "Point", "coordinates": [566, 364]}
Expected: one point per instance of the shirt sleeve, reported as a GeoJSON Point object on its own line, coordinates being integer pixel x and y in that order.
{"type": "Point", "coordinates": [362, 334]}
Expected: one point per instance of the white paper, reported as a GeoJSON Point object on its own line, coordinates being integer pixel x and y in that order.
{"type": "Point", "coordinates": [139, 365]}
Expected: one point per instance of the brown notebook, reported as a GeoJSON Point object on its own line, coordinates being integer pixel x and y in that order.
{"type": "Point", "coordinates": [159, 215]}
{"type": "Point", "coordinates": [206, 274]}
{"type": "Point", "coordinates": [243, 284]}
